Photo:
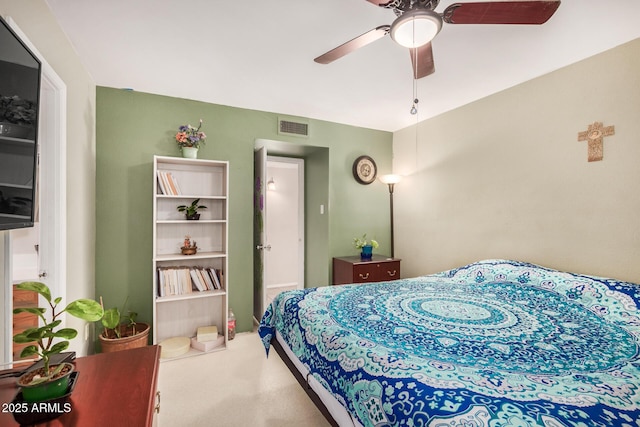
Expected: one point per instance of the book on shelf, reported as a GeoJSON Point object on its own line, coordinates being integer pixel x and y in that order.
{"type": "Point", "coordinates": [165, 180]}
{"type": "Point", "coordinates": [161, 186]}
{"type": "Point", "coordinates": [220, 274]}
{"type": "Point", "coordinates": [181, 280]}
{"type": "Point", "coordinates": [168, 184]}
{"type": "Point", "coordinates": [174, 181]}
{"type": "Point", "coordinates": [207, 278]}
{"type": "Point", "coordinates": [195, 277]}
{"type": "Point", "coordinates": [215, 275]}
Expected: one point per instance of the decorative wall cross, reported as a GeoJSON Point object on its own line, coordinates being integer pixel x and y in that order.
{"type": "Point", "coordinates": [595, 134]}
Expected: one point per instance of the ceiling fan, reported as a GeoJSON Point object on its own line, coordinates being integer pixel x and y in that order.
{"type": "Point", "coordinates": [417, 24]}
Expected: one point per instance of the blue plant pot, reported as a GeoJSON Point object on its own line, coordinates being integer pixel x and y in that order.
{"type": "Point", "coordinates": [367, 252]}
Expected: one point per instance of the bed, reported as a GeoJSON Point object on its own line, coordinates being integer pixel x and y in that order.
{"type": "Point", "coordinates": [494, 343]}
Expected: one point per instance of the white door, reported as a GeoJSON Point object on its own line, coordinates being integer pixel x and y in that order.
{"type": "Point", "coordinates": [260, 244]}
{"type": "Point", "coordinates": [284, 262]}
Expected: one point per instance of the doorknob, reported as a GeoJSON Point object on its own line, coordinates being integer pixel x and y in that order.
{"type": "Point", "coordinates": [43, 274]}
{"type": "Point", "coordinates": [263, 247]}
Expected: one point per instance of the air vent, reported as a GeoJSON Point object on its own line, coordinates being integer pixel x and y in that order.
{"type": "Point", "coordinates": [293, 128]}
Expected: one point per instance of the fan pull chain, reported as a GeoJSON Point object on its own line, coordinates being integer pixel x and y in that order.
{"type": "Point", "coordinates": [414, 111]}
{"type": "Point", "coordinates": [414, 107]}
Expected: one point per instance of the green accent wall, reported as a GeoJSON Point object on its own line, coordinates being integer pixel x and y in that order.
{"type": "Point", "coordinates": [132, 126]}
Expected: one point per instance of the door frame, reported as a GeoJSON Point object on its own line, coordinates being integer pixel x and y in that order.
{"type": "Point", "coordinates": [52, 193]}
{"type": "Point", "coordinates": [317, 180]}
{"type": "Point", "coordinates": [261, 239]}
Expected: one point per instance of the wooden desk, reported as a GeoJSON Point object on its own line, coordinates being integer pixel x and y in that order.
{"type": "Point", "coordinates": [353, 269]}
{"type": "Point", "coordinates": [112, 389]}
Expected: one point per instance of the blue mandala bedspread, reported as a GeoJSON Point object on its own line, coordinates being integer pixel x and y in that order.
{"type": "Point", "coordinates": [495, 343]}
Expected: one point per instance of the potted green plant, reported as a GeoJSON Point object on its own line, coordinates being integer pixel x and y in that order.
{"type": "Point", "coordinates": [191, 211]}
{"type": "Point", "coordinates": [50, 382]}
{"type": "Point", "coordinates": [366, 246]}
{"type": "Point", "coordinates": [122, 332]}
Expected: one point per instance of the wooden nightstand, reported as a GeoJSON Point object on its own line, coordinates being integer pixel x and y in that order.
{"type": "Point", "coordinates": [352, 269]}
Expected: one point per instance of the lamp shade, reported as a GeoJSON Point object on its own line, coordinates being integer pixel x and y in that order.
{"type": "Point", "coordinates": [416, 28]}
{"type": "Point", "coordinates": [390, 179]}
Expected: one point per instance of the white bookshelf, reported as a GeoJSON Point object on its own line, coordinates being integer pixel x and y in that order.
{"type": "Point", "coordinates": [179, 310]}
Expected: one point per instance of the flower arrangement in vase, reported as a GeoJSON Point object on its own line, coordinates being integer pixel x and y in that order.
{"type": "Point", "coordinates": [366, 246]}
{"type": "Point", "coordinates": [189, 139]}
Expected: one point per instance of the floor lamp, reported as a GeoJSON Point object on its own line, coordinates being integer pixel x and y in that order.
{"type": "Point", "coordinates": [391, 180]}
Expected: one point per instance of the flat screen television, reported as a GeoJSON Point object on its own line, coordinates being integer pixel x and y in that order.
{"type": "Point", "coordinates": [19, 101]}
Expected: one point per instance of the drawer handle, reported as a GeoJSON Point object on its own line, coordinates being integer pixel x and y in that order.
{"type": "Point", "coordinates": [392, 274]}
{"type": "Point", "coordinates": [157, 408]}
{"type": "Point", "coordinates": [364, 277]}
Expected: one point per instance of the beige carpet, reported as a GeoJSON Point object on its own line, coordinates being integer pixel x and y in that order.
{"type": "Point", "coordinates": [236, 387]}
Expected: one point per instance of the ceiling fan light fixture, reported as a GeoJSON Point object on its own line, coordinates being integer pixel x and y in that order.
{"type": "Point", "coordinates": [416, 28]}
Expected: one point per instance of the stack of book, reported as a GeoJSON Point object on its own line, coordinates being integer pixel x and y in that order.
{"type": "Point", "coordinates": [168, 184]}
{"type": "Point", "coordinates": [185, 280]}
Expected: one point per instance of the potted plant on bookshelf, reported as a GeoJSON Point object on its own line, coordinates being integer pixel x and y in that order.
{"type": "Point", "coordinates": [122, 332]}
{"type": "Point", "coordinates": [366, 246]}
{"type": "Point", "coordinates": [189, 140]}
{"type": "Point", "coordinates": [191, 211]}
{"type": "Point", "coordinates": [50, 382]}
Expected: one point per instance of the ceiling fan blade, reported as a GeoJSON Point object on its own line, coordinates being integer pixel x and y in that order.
{"type": "Point", "coordinates": [351, 45]}
{"type": "Point", "coordinates": [422, 61]}
{"type": "Point", "coordinates": [501, 12]}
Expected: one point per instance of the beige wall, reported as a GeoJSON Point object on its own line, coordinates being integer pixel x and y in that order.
{"type": "Point", "coordinates": [505, 177]}
{"type": "Point", "coordinates": [36, 21]}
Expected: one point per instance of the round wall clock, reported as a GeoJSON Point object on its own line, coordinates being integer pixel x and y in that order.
{"type": "Point", "coordinates": [364, 170]}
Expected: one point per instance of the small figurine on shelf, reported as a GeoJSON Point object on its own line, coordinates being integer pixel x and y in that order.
{"type": "Point", "coordinates": [189, 247]}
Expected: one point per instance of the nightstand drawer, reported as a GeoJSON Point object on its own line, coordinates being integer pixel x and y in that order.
{"type": "Point", "coordinates": [389, 271]}
{"type": "Point", "coordinates": [354, 270]}
{"type": "Point", "coordinates": [363, 273]}
{"type": "Point", "coordinates": [376, 272]}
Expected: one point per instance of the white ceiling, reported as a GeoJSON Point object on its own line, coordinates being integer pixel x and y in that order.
{"type": "Point", "coordinates": [259, 54]}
